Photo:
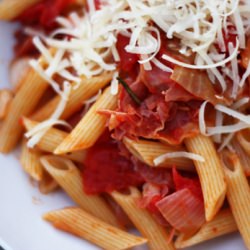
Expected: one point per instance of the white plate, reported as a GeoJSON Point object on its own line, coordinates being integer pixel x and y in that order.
{"type": "Point", "coordinates": [22, 206]}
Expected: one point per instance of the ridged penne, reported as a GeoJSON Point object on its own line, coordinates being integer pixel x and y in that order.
{"type": "Point", "coordinates": [223, 223]}
{"type": "Point", "coordinates": [91, 126]}
{"type": "Point", "coordinates": [157, 235]}
{"type": "Point", "coordinates": [30, 161]}
{"type": "Point", "coordinates": [69, 178]}
{"type": "Point", "coordinates": [243, 156]}
{"type": "Point", "coordinates": [6, 96]}
{"type": "Point", "coordinates": [50, 141]}
{"type": "Point", "coordinates": [10, 9]}
{"type": "Point", "coordinates": [47, 184]}
{"type": "Point", "coordinates": [86, 89]}
{"type": "Point", "coordinates": [210, 174]}
{"type": "Point", "coordinates": [23, 104]}
{"type": "Point", "coordinates": [76, 221]}
{"type": "Point", "coordinates": [238, 194]}
{"type": "Point", "coordinates": [244, 140]}
{"type": "Point", "coordinates": [147, 151]}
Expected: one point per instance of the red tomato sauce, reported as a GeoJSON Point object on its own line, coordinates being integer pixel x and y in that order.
{"type": "Point", "coordinates": [107, 170]}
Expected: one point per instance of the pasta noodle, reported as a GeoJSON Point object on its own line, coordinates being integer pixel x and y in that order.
{"type": "Point", "coordinates": [89, 129]}
{"type": "Point", "coordinates": [10, 9]}
{"type": "Point", "coordinates": [23, 104]}
{"type": "Point", "coordinates": [238, 194]}
{"type": "Point", "coordinates": [86, 89]}
{"type": "Point", "coordinates": [223, 223]}
{"type": "Point", "coordinates": [210, 174]}
{"type": "Point", "coordinates": [47, 184]}
{"type": "Point", "coordinates": [243, 156]}
{"type": "Point", "coordinates": [6, 96]}
{"type": "Point", "coordinates": [68, 177]}
{"type": "Point", "coordinates": [52, 139]}
{"type": "Point", "coordinates": [147, 151]}
{"type": "Point", "coordinates": [243, 139]}
{"type": "Point", "coordinates": [78, 222]}
{"type": "Point", "coordinates": [143, 221]}
{"type": "Point", "coordinates": [160, 94]}
{"type": "Point", "coordinates": [30, 160]}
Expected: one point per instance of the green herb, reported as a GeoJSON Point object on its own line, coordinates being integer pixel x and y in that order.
{"type": "Point", "coordinates": [129, 91]}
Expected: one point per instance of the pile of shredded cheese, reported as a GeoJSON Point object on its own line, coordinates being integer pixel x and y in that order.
{"type": "Point", "coordinates": [90, 44]}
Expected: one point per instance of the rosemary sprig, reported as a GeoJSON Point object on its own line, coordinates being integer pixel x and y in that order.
{"type": "Point", "coordinates": [133, 96]}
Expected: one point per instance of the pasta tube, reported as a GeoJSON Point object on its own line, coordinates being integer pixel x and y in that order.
{"type": "Point", "coordinates": [23, 104]}
{"type": "Point", "coordinates": [30, 161]}
{"type": "Point", "coordinates": [210, 174]}
{"type": "Point", "coordinates": [86, 89]}
{"type": "Point", "coordinates": [147, 151]}
{"type": "Point", "coordinates": [10, 9]}
{"type": "Point", "coordinates": [47, 184]}
{"type": "Point", "coordinates": [157, 235]}
{"type": "Point", "coordinates": [238, 194]}
{"type": "Point", "coordinates": [78, 222]}
{"type": "Point", "coordinates": [92, 125]}
{"type": "Point", "coordinates": [243, 156]}
{"type": "Point", "coordinates": [52, 139]}
{"type": "Point", "coordinates": [69, 178]}
{"type": "Point", "coordinates": [6, 96]}
{"type": "Point", "coordinates": [244, 140]}
{"type": "Point", "coordinates": [223, 223]}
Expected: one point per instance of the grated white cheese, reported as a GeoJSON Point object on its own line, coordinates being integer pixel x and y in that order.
{"type": "Point", "coordinates": [238, 104]}
{"type": "Point", "coordinates": [226, 141]}
{"type": "Point", "coordinates": [245, 76]}
{"type": "Point", "coordinates": [40, 130]}
{"type": "Point", "coordinates": [235, 72]}
{"type": "Point", "coordinates": [199, 25]}
{"type": "Point", "coordinates": [227, 128]}
{"type": "Point", "coordinates": [181, 154]}
{"type": "Point", "coordinates": [114, 84]}
{"type": "Point", "coordinates": [202, 123]}
{"type": "Point", "coordinates": [233, 113]}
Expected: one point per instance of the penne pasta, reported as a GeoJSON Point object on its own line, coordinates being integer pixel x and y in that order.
{"type": "Point", "coordinates": [92, 125]}
{"type": "Point", "coordinates": [122, 114]}
{"type": "Point", "coordinates": [6, 96]}
{"type": "Point", "coordinates": [23, 104]}
{"type": "Point", "coordinates": [76, 221]}
{"type": "Point", "coordinates": [238, 194]}
{"type": "Point", "coordinates": [143, 221]}
{"type": "Point", "coordinates": [223, 223]}
{"type": "Point", "coordinates": [147, 151]}
{"type": "Point", "coordinates": [47, 184]}
{"type": "Point", "coordinates": [69, 178]}
{"type": "Point", "coordinates": [243, 156]}
{"type": "Point", "coordinates": [30, 161]}
{"type": "Point", "coordinates": [86, 89]}
{"type": "Point", "coordinates": [18, 69]}
{"type": "Point", "coordinates": [244, 140]}
{"type": "Point", "coordinates": [10, 9]}
{"type": "Point", "coordinates": [210, 174]}
{"type": "Point", "coordinates": [52, 139]}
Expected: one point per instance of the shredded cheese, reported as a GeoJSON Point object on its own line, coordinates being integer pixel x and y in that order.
{"type": "Point", "coordinates": [226, 129]}
{"type": "Point", "coordinates": [233, 113]}
{"type": "Point", "coordinates": [114, 84]}
{"type": "Point", "coordinates": [201, 27]}
{"type": "Point", "coordinates": [40, 130]}
{"type": "Point", "coordinates": [202, 124]}
{"type": "Point", "coordinates": [181, 154]}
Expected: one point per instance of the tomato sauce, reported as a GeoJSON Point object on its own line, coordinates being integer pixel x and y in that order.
{"type": "Point", "coordinates": [107, 170]}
